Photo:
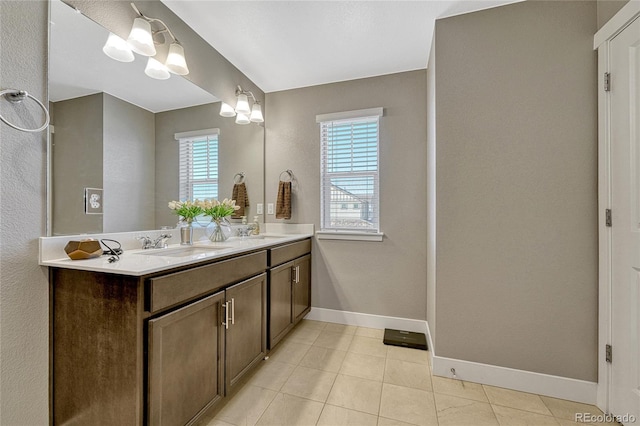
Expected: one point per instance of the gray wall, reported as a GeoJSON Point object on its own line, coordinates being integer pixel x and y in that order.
{"type": "Point", "coordinates": [76, 147]}
{"type": "Point", "coordinates": [431, 192]}
{"type": "Point", "coordinates": [608, 8]}
{"type": "Point", "coordinates": [129, 166]}
{"type": "Point", "coordinates": [385, 278]}
{"type": "Point", "coordinates": [241, 149]}
{"type": "Point", "coordinates": [24, 302]}
{"type": "Point", "coordinates": [516, 201]}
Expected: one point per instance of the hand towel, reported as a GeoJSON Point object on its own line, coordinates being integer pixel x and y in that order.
{"type": "Point", "coordinates": [241, 196]}
{"type": "Point", "coordinates": [283, 203]}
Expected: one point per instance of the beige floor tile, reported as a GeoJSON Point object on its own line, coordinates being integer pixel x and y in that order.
{"type": "Point", "coordinates": [331, 340]}
{"type": "Point", "coordinates": [409, 405]}
{"type": "Point", "coordinates": [323, 359]}
{"type": "Point", "coordinates": [289, 410]}
{"type": "Point", "coordinates": [216, 422]}
{"type": "Point", "coordinates": [338, 416]}
{"type": "Point", "coordinates": [246, 407]}
{"type": "Point", "coordinates": [514, 399]}
{"type": "Point", "coordinates": [289, 352]}
{"type": "Point", "coordinates": [409, 374]}
{"type": "Point", "coordinates": [312, 324]}
{"type": "Point", "coordinates": [568, 409]}
{"type": "Point", "coordinates": [368, 346]}
{"type": "Point", "coordinates": [309, 383]}
{"type": "Point", "coordinates": [306, 335]}
{"type": "Point", "coordinates": [382, 421]}
{"type": "Point", "coordinates": [364, 366]}
{"type": "Point", "coordinates": [374, 333]}
{"type": "Point", "coordinates": [271, 374]}
{"type": "Point", "coordinates": [512, 417]}
{"type": "Point", "coordinates": [455, 411]}
{"type": "Point", "coordinates": [406, 354]}
{"type": "Point", "coordinates": [356, 394]}
{"type": "Point", "coordinates": [459, 388]}
{"type": "Point", "coordinates": [564, 422]}
{"type": "Point", "coordinates": [340, 328]}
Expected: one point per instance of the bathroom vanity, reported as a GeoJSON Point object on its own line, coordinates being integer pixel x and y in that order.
{"type": "Point", "coordinates": [162, 336]}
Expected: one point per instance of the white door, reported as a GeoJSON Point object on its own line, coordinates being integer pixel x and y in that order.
{"type": "Point", "coordinates": [625, 205]}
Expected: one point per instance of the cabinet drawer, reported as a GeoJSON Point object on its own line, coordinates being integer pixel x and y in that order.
{"type": "Point", "coordinates": [181, 286]}
{"type": "Point", "coordinates": [290, 251]}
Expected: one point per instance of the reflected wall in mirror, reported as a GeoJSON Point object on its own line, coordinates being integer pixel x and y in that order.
{"type": "Point", "coordinates": [113, 128]}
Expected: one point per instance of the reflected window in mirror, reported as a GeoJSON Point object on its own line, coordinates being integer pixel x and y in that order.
{"type": "Point", "coordinates": [199, 157]}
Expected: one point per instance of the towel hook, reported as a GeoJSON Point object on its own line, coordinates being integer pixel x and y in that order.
{"type": "Point", "coordinates": [240, 176]}
{"type": "Point", "coordinates": [289, 172]}
{"type": "Point", "coordinates": [15, 97]}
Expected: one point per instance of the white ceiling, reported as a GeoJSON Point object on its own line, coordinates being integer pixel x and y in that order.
{"type": "Point", "coordinates": [77, 67]}
{"type": "Point", "coordinates": [282, 45]}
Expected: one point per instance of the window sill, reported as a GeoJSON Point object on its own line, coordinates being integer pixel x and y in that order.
{"type": "Point", "coordinates": [349, 235]}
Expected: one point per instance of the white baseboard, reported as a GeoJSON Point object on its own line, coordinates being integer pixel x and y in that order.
{"type": "Point", "coordinates": [520, 380]}
{"type": "Point", "coordinates": [366, 320]}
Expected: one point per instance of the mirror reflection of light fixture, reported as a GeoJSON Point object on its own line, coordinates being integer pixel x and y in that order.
{"type": "Point", "coordinates": [156, 70]}
{"type": "Point", "coordinates": [140, 38]}
{"type": "Point", "coordinates": [141, 41]}
{"type": "Point", "coordinates": [243, 112]}
{"type": "Point", "coordinates": [118, 49]}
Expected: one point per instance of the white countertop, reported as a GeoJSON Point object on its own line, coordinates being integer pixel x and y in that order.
{"type": "Point", "coordinates": [138, 262]}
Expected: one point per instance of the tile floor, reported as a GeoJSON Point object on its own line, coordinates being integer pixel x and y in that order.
{"type": "Point", "coordinates": [332, 374]}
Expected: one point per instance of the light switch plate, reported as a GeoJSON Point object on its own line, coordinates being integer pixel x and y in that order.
{"type": "Point", "coordinates": [259, 208]}
{"type": "Point", "coordinates": [270, 208]}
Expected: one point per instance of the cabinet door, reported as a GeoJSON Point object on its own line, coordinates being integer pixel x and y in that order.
{"type": "Point", "coordinates": [186, 355]}
{"type": "Point", "coordinates": [280, 303]}
{"type": "Point", "coordinates": [301, 287]}
{"type": "Point", "coordinates": [247, 327]}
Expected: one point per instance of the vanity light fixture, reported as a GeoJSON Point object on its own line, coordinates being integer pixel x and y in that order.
{"type": "Point", "coordinates": [243, 112]}
{"type": "Point", "coordinates": [141, 40]}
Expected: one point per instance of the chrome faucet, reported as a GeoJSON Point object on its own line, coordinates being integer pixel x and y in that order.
{"type": "Point", "coordinates": [160, 242]}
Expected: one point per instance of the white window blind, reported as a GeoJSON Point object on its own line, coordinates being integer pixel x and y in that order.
{"type": "Point", "coordinates": [349, 171]}
{"type": "Point", "coordinates": [198, 164]}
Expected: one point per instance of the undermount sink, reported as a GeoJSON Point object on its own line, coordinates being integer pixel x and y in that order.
{"type": "Point", "coordinates": [182, 251]}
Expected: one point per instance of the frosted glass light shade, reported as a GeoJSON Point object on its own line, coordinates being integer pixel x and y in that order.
{"type": "Point", "coordinates": [156, 70]}
{"type": "Point", "coordinates": [140, 38]}
{"type": "Point", "coordinates": [227, 110]}
{"type": "Point", "coordinates": [242, 106]}
{"type": "Point", "coordinates": [242, 119]}
{"type": "Point", "coordinates": [256, 114]}
{"type": "Point", "coordinates": [118, 49]}
{"type": "Point", "coordinates": [176, 63]}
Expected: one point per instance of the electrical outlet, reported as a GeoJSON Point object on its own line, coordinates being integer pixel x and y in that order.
{"type": "Point", "coordinates": [259, 208]}
{"type": "Point", "coordinates": [269, 208]}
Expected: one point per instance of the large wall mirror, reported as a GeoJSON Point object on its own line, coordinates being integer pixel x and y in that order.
{"type": "Point", "coordinates": [114, 136]}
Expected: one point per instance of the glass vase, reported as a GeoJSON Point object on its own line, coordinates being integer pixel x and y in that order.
{"type": "Point", "coordinates": [220, 229]}
{"type": "Point", "coordinates": [186, 233]}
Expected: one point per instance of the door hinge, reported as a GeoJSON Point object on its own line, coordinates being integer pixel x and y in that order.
{"type": "Point", "coordinates": [608, 353]}
{"type": "Point", "coordinates": [607, 82]}
{"type": "Point", "coordinates": [608, 220]}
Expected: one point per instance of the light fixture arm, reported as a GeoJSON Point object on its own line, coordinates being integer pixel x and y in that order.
{"type": "Point", "coordinates": [149, 19]}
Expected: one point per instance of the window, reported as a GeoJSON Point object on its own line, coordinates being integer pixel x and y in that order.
{"type": "Point", "coordinates": [349, 170]}
{"type": "Point", "coordinates": [198, 164]}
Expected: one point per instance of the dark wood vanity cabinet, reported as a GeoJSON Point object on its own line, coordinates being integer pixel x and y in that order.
{"type": "Point", "coordinates": [186, 361]}
{"type": "Point", "coordinates": [246, 327]}
{"type": "Point", "coordinates": [165, 348]}
{"type": "Point", "coordinates": [289, 288]}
